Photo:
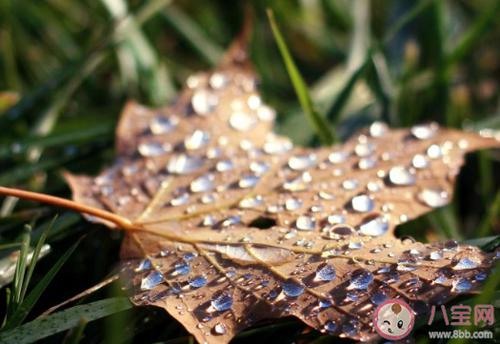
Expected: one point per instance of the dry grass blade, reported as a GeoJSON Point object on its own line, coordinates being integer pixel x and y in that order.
{"type": "Point", "coordinates": [228, 223]}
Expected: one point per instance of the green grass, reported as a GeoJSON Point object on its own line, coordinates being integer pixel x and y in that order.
{"type": "Point", "coordinates": [329, 67]}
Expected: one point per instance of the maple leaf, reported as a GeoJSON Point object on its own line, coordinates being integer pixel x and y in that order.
{"type": "Point", "coordinates": [228, 224]}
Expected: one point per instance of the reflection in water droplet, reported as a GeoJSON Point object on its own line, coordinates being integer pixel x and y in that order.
{"type": "Point", "coordinates": [189, 256]}
{"type": "Point", "coordinates": [183, 164]}
{"type": "Point", "coordinates": [231, 220]}
{"type": "Point", "coordinates": [362, 203]}
{"type": "Point", "coordinates": [326, 273]}
{"type": "Point", "coordinates": [218, 80]}
{"type": "Point", "coordinates": [433, 198]}
{"type": "Point", "coordinates": [305, 223]}
{"type": "Point", "coordinates": [374, 226]}
{"type": "Point", "coordinates": [251, 202]}
{"type": "Point", "coordinates": [302, 162]}
{"type": "Point", "coordinates": [198, 281]}
{"type": "Point", "coordinates": [222, 303]}
{"type": "Point", "coordinates": [461, 285]}
{"type": "Point", "coordinates": [152, 280]}
{"type": "Point", "coordinates": [299, 183]}
{"type": "Point", "coordinates": [162, 125]}
{"type": "Point", "coordinates": [324, 303]}
{"type": "Point", "coordinates": [182, 269]}
{"type": "Point", "coordinates": [440, 280]}
{"type": "Point", "coordinates": [292, 288]}
{"type": "Point", "coordinates": [360, 280]}
{"type": "Point", "coordinates": [278, 146]}
{"type": "Point", "coordinates": [219, 329]}
{"type": "Point", "coordinates": [465, 264]}
{"type": "Point", "coordinates": [401, 176]}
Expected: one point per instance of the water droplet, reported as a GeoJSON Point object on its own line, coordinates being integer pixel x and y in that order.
{"type": "Point", "coordinates": [441, 279]}
{"type": "Point", "coordinates": [378, 297]}
{"type": "Point", "coordinates": [374, 226]}
{"type": "Point", "coordinates": [196, 140]}
{"type": "Point", "coordinates": [465, 264]}
{"type": "Point", "coordinates": [481, 276]}
{"type": "Point", "coordinates": [336, 219]}
{"type": "Point", "coordinates": [362, 203]}
{"type": "Point", "coordinates": [434, 151]}
{"type": "Point", "coordinates": [242, 121]}
{"type": "Point", "coordinates": [204, 102]}
{"type": "Point", "coordinates": [251, 202]}
{"type": "Point", "coordinates": [299, 183]}
{"type": "Point", "coordinates": [378, 129]}
{"type": "Point", "coordinates": [145, 264]}
{"type": "Point", "coordinates": [367, 163]}
{"type": "Point", "coordinates": [182, 269]}
{"type": "Point", "coordinates": [209, 221]}
{"type": "Point", "coordinates": [305, 223]}
{"type": "Point", "coordinates": [292, 288]}
{"type": "Point", "coordinates": [355, 245]}
{"type": "Point", "coordinates": [278, 146]}
{"type": "Point", "coordinates": [325, 274]}
{"type": "Point", "coordinates": [180, 200]}
{"type": "Point", "coordinates": [364, 149]}
{"type": "Point", "coordinates": [202, 184]}
{"type": "Point", "coordinates": [293, 204]}
{"type": "Point", "coordinates": [219, 329]}
{"type": "Point", "coordinates": [461, 285]}
{"type": "Point", "coordinates": [360, 280]}
{"type": "Point", "coordinates": [424, 132]}
{"type": "Point", "coordinates": [162, 125]}
{"type": "Point", "coordinates": [231, 221]}
{"type": "Point", "coordinates": [224, 165]}
{"type": "Point", "coordinates": [350, 184]}
{"type": "Point", "coordinates": [222, 303]}
{"type": "Point", "coordinates": [184, 164]}
{"type": "Point", "coordinates": [248, 181]}
{"type": "Point", "coordinates": [259, 167]}
{"type": "Point", "coordinates": [324, 303]}
{"type": "Point", "coordinates": [435, 255]}
{"type": "Point", "coordinates": [338, 157]}
{"type": "Point", "coordinates": [420, 161]}
{"type": "Point", "coordinates": [302, 162]}
{"type": "Point", "coordinates": [198, 281]}
{"type": "Point", "coordinates": [401, 176]}
{"type": "Point", "coordinates": [433, 198]}
{"type": "Point", "coordinates": [218, 80]}
{"type": "Point", "coordinates": [152, 280]}
{"type": "Point", "coordinates": [151, 149]}
{"type": "Point", "coordinates": [330, 326]}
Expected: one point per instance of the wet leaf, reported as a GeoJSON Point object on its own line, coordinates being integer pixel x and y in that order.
{"type": "Point", "coordinates": [228, 223]}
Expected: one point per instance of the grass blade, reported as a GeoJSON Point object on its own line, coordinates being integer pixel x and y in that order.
{"type": "Point", "coordinates": [21, 266]}
{"type": "Point", "coordinates": [319, 124]}
{"type": "Point", "coordinates": [65, 320]}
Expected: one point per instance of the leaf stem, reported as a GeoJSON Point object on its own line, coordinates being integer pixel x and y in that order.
{"type": "Point", "coordinates": [118, 220]}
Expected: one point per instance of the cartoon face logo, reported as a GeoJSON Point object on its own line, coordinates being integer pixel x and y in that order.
{"type": "Point", "coordinates": [394, 319]}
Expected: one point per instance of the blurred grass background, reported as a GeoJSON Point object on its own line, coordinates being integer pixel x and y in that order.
{"type": "Point", "coordinates": [67, 68]}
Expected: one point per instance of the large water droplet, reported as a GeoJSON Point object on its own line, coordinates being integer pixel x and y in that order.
{"type": "Point", "coordinates": [248, 181]}
{"type": "Point", "coordinates": [361, 280]}
{"type": "Point", "coordinates": [196, 140]}
{"type": "Point", "coordinates": [362, 203]}
{"type": "Point", "coordinates": [202, 184]}
{"type": "Point", "coordinates": [151, 149]}
{"type": "Point", "coordinates": [184, 164]}
{"type": "Point", "coordinates": [302, 162]}
{"type": "Point", "coordinates": [151, 280]}
{"type": "Point", "coordinates": [433, 198]}
{"type": "Point", "coordinates": [222, 303]}
{"type": "Point", "coordinates": [292, 288]}
{"type": "Point", "coordinates": [461, 285]}
{"type": "Point", "coordinates": [305, 223]}
{"type": "Point", "coordinates": [424, 132]}
{"type": "Point", "coordinates": [198, 281]}
{"type": "Point", "coordinates": [162, 125]}
{"type": "Point", "coordinates": [325, 274]}
{"type": "Point", "coordinates": [204, 102]}
{"type": "Point", "coordinates": [465, 263]}
{"type": "Point", "coordinates": [242, 121]}
{"type": "Point", "coordinates": [401, 176]}
{"type": "Point", "coordinates": [374, 226]}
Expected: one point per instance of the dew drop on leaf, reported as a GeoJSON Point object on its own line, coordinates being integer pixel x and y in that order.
{"type": "Point", "coordinates": [325, 273]}
{"type": "Point", "coordinates": [198, 281]}
{"type": "Point", "coordinates": [362, 203]}
{"type": "Point", "coordinates": [361, 280]}
{"type": "Point", "coordinates": [433, 198]}
{"type": "Point", "coordinates": [401, 176]}
{"type": "Point", "coordinates": [221, 303]}
{"type": "Point", "coordinates": [151, 280]}
{"type": "Point", "coordinates": [374, 226]}
{"type": "Point", "coordinates": [292, 288]}
{"type": "Point", "coordinates": [461, 285]}
{"type": "Point", "coordinates": [162, 125]}
{"type": "Point", "coordinates": [465, 264]}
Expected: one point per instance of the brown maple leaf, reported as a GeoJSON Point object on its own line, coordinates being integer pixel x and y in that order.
{"type": "Point", "coordinates": [228, 224]}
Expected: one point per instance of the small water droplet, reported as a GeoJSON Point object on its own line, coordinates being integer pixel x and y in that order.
{"type": "Point", "coordinates": [151, 149]}
{"type": "Point", "coordinates": [378, 129]}
{"type": "Point", "coordinates": [302, 162]}
{"type": "Point", "coordinates": [198, 281]}
{"type": "Point", "coordinates": [374, 226]}
{"type": "Point", "coordinates": [434, 151]}
{"type": "Point", "coordinates": [481, 276]}
{"type": "Point", "coordinates": [362, 203]}
{"type": "Point", "coordinates": [441, 279]}
{"type": "Point", "coordinates": [367, 163]}
{"type": "Point", "coordinates": [355, 245]}
{"type": "Point", "coordinates": [425, 131]}
{"type": "Point", "coordinates": [204, 102]}
{"type": "Point", "coordinates": [231, 221]}
{"type": "Point", "coordinates": [298, 184]}
{"type": "Point", "coordinates": [378, 297]}
{"type": "Point", "coordinates": [325, 273]}
{"type": "Point", "coordinates": [219, 329]}
{"type": "Point", "coordinates": [401, 176]}
{"type": "Point", "coordinates": [461, 285]}
{"type": "Point", "coordinates": [196, 140]}
{"type": "Point", "coordinates": [182, 269]}
{"type": "Point", "coordinates": [278, 146]}
{"type": "Point", "coordinates": [305, 223]}
{"type": "Point", "coordinates": [251, 202]}
{"type": "Point", "coordinates": [364, 149]}
{"type": "Point", "coordinates": [420, 161]}
{"type": "Point", "coordinates": [360, 280]}
{"type": "Point", "coordinates": [202, 184]}
{"type": "Point", "coordinates": [338, 157]}
{"type": "Point", "coordinates": [465, 263]}
{"type": "Point", "coordinates": [336, 219]}
{"type": "Point", "coordinates": [222, 303]}
{"type": "Point", "coordinates": [350, 184]}
{"type": "Point", "coordinates": [218, 80]}
{"type": "Point", "coordinates": [330, 326]}
{"type": "Point", "coordinates": [433, 198]}
{"type": "Point", "coordinates": [162, 125]}
{"type": "Point", "coordinates": [184, 164]}
{"type": "Point", "coordinates": [435, 255]}
{"type": "Point", "coordinates": [293, 204]}
{"type": "Point", "coordinates": [248, 181]}
{"type": "Point", "coordinates": [180, 200]}
{"type": "Point", "coordinates": [292, 288]}
{"type": "Point", "coordinates": [145, 264]}
{"type": "Point", "coordinates": [242, 121]}
{"type": "Point", "coordinates": [189, 256]}
{"type": "Point", "coordinates": [259, 167]}
{"type": "Point", "coordinates": [324, 303]}
{"type": "Point", "coordinates": [224, 165]}
{"type": "Point", "coordinates": [151, 280]}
